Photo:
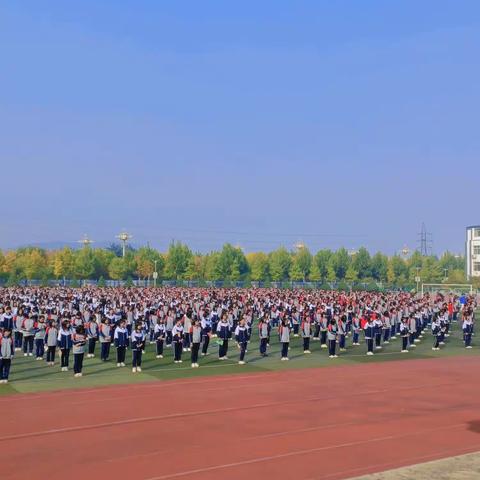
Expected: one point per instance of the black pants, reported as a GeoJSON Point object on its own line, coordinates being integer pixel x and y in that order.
{"type": "Point", "coordinates": [51, 354]}
{"type": "Point", "coordinates": [323, 338]}
{"type": "Point", "coordinates": [295, 328]}
{"type": "Point", "coordinates": [18, 339]}
{"type": "Point", "coordinates": [177, 347]}
{"type": "Point", "coordinates": [404, 343]}
{"type": "Point", "coordinates": [28, 344]}
{"type": "Point", "coordinates": [206, 341]}
{"type": "Point", "coordinates": [65, 356]}
{"type": "Point", "coordinates": [332, 344]}
{"type": "Point", "coordinates": [317, 331]}
{"type": "Point", "coordinates": [306, 343]}
{"type": "Point", "coordinates": [5, 364]}
{"type": "Point", "coordinates": [378, 339]}
{"type": "Point", "coordinates": [78, 362]}
{"type": "Point", "coordinates": [121, 354]}
{"type": "Point", "coordinates": [160, 346]}
{"type": "Point", "coordinates": [195, 349]}
{"type": "Point", "coordinates": [91, 345]}
{"type": "Point", "coordinates": [285, 349]}
{"type": "Point", "coordinates": [223, 349]}
{"type": "Point", "coordinates": [169, 337]}
{"type": "Point", "coordinates": [369, 344]}
{"type": "Point", "coordinates": [437, 342]}
{"type": "Point", "coordinates": [263, 346]}
{"type": "Point", "coordinates": [243, 349]}
{"type": "Point", "coordinates": [105, 350]}
{"type": "Point", "coordinates": [39, 347]}
{"type": "Point", "coordinates": [136, 358]}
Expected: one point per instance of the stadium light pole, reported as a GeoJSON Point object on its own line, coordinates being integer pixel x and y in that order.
{"type": "Point", "coordinates": [124, 237]}
{"type": "Point", "coordinates": [417, 278]}
{"type": "Point", "coordinates": [155, 274]}
{"type": "Point", "coordinates": [446, 274]}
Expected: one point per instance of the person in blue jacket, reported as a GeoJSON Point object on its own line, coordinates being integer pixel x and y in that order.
{"type": "Point", "coordinates": [242, 337]}
{"type": "Point", "coordinates": [223, 333]}
{"type": "Point", "coordinates": [65, 344]}
{"type": "Point", "coordinates": [120, 338]}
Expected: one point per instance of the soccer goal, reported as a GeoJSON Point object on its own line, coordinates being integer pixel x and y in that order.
{"type": "Point", "coordinates": [457, 288]}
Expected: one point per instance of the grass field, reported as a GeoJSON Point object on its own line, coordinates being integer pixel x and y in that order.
{"type": "Point", "coordinates": [28, 375]}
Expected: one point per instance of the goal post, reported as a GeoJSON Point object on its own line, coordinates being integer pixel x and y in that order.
{"type": "Point", "coordinates": [447, 288]}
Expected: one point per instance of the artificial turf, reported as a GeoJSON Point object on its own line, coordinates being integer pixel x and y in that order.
{"type": "Point", "coordinates": [29, 375]}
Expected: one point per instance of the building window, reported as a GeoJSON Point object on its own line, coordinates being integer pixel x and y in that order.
{"type": "Point", "coordinates": [476, 249]}
{"type": "Point", "coordinates": [476, 266]}
{"type": "Point", "coordinates": [476, 232]}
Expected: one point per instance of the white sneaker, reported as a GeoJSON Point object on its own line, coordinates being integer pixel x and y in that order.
{"type": "Point", "coordinates": [404, 351]}
{"type": "Point", "coordinates": [469, 346]}
{"type": "Point", "coordinates": [241, 362]}
{"type": "Point", "coordinates": [323, 346]}
{"type": "Point", "coordinates": [185, 350]}
{"type": "Point", "coordinates": [119, 364]}
{"type": "Point", "coordinates": [180, 361]}
{"type": "Point", "coordinates": [134, 370]}
{"type": "Point", "coordinates": [139, 369]}
{"type": "Point", "coordinates": [331, 356]}
{"type": "Point", "coordinates": [197, 365]}
{"type": "Point", "coordinates": [413, 345]}
{"type": "Point", "coordinates": [25, 354]}
{"type": "Point", "coordinates": [193, 365]}
{"type": "Point", "coordinates": [386, 342]}
{"type": "Point", "coordinates": [307, 351]}
{"type": "Point", "coordinates": [122, 364]}
{"type": "Point", "coordinates": [369, 353]}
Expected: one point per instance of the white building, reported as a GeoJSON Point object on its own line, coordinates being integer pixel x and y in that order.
{"type": "Point", "coordinates": [472, 251]}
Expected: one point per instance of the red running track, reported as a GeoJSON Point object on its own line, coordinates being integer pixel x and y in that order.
{"type": "Point", "coordinates": [328, 423]}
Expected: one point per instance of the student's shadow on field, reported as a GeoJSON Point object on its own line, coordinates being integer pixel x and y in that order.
{"type": "Point", "coordinates": [474, 426]}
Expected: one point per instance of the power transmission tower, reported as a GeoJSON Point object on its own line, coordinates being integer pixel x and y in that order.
{"type": "Point", "coordinates": [124, 237]}
{"type": "Point", "coordinates": [425, 241]}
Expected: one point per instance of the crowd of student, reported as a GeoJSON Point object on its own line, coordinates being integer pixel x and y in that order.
{"type": "Point", "coordinates": [43, 321]}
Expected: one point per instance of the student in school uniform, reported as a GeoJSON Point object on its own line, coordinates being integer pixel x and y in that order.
{"type": "Point", "coordinates": [378, 327]}
{"type": "Point", "coordinates": [196, 338]}
{"type": "Point", "coordinates": [386, 328]}
{"type": "Point", "coordinates": [206, 324]}
{"type": "Point", "coordinates": [120, 339]}
{"type": "Point", "coordinates": [284, 336]}
{"type": "Point", "coordinates": [91, 328]}
{"type": "Point", "coordinates": [405, 334]}
{"type": "Point", "coordinates": [105, 337]}
{"type": "Point", "coordinates": [323, 331]}
{"type": "Point", "coordinates": [159, 336]}
{"type": "Point", "coordinates": [51, 336]}
{"type": "Point", "coordinates": [39, 338]}
{"type": "Point", "coordinates": [65, 344]}
{"type": "Point", "coordinates": [79, 340]}
{"type": "Point", "coordinates": [306, 331]}
{"type": "Point", "coordinates": [412, 325]}
{"type": "Point", "coordinates": [17, 330]}
{"type": "Point", "coordinates": [369, 330]}
{"type": "Point", "coordinates": [263, 333]}
{"type": "Point", "coordinates": [138, 344]}
{"type": "Point", "coordinates": [436, 334]}
{"type": "Point", "coordinates": [177, 340]}
{"type": "Point", "coordinates": [332, 338]}
{"type": "Point", "coordinates": [467, 328]}
{"type": "Point", "coordinates": [356, 329]}
{"type": "Point", "coordinates": [342, 332]}
{"type": "Point", "coordinates": [169, 324]}
{"type": "Point", "coordinates": [224, 333]}
{"type": "Point", "coordinates": [187, 323]}
{"type": "Point", "coordinates": [241, 336]}
{"type": "Point", "coordinates": [29, 325]}
{"type": "Point", "coordinates": [7, 350]}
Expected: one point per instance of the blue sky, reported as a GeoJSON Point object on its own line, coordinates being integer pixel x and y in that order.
{"type": "Point", "coordinates": [339, 123]}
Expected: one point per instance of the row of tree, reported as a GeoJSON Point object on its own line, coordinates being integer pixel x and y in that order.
{"type": "Point", "coordinates": [230, 263]}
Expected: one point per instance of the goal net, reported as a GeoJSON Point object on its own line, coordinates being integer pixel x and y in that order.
{"type": "Point", "coordinates": [447, 288]}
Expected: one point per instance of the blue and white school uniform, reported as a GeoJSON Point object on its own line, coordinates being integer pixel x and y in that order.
{"type": "Point", "coordinates": [177, 339]}
{"type": "Point", "coordinates": [65, 344]}
{"type": "Point", "coordinates": [223, 333]}
{"type": "Point", "coordinates": [242, 337]}
{"type": "Point", "coordinates": [159, 335]}
{"type": "Point", "coordinates": [206, 324]}
{"type": "Point", "coordinates": [284, 336]}
{"type": "Point", "coordinates": [7, 351]}
{"type": "Point", "coordinates": [369, 330]}
{"type": "Point", "coordinates": [138, 344]}
{"type": "Point", "coordinates": [120, 338]}
{"type": "Point", "coordinates": [467, 328]}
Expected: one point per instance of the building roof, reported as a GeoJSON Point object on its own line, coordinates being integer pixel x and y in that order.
{"type": "Point", "coordinates": [473, 226]}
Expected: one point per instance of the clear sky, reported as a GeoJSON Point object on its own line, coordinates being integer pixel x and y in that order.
{"type": "Point", "coordinates": [339, 123]}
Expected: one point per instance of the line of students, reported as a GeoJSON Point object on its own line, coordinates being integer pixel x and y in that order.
{"type": "Point", "coordinates": [188, 322]}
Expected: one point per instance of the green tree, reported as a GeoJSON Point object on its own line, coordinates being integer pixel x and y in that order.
{"type": "Point", "coordinates": [362, 263]}
{"type": "Point", "coordinates": [340, 262]}
{"type": "Point", "coordinates": [279, 262]}
{"type": "Point", "coordinates": [117, 270]}
{"type": "Point", "coordinates": [351, 275]}
{"type": "Point", "coordinates": [303, 262]}
{"type": "Point", "coordinates": [258, 264]}
{"type": "Point", "coordinates": [322, 259]}
{"type": "Point", "coordinates": [380, 267]}
{"type": "Point", "coordinates": [84, 266]}
{"type": "Point", "coordinates": [178, 256]}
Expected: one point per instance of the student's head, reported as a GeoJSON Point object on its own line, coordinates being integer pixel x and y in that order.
{"type": "Point", "coordinates": [7, 332]}
{"type": "Point", "coordinates": [122, 323]}
{"type": "Point", "coordinates": [138, 327]}
{"type": "Point", "coordinates": [80, 329]}
{"type": "Point", "coordinates": [65, 324]}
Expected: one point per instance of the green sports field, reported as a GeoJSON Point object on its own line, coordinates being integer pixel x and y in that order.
{"type": "Point", "coordinates": [29, 375]}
